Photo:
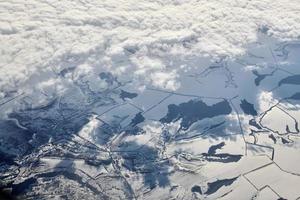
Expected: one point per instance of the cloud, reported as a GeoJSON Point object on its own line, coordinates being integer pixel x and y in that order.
{"type": "Point", "coordinates": [137, 37]}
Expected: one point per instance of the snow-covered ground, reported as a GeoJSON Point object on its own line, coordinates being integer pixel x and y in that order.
{"type": "Point", "coordinates": [153, 99]}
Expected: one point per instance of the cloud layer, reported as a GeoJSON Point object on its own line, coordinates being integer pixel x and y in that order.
{"type": "Point", "coordinates": [133, 39]}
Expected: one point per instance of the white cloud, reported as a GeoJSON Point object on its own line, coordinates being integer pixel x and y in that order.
{"type": "Point", "coordinates": [132, 36]}
{"type": "Point", "coordinates": [266, 100]}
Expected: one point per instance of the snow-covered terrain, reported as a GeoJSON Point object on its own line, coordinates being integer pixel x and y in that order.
{"type": "Point", "coordinates": [185, 99]}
